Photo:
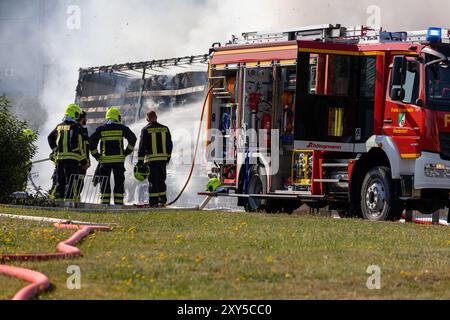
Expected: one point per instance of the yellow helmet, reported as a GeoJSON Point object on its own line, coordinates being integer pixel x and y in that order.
{"type": "Point", "coordinates": [141, 173]}
{"type": "Point", "coordinates": [213, 184]}
{"type": "Point", "coordinates": [73, 111]}
{"type": "Point", "coordinates": [113, 114]}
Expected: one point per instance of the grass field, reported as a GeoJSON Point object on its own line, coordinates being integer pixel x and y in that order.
{"type": "Point", "coordinates": [213, 255]}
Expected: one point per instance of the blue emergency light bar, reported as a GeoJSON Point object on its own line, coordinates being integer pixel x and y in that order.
{"type": "Point", "coordinates": [434, 35]}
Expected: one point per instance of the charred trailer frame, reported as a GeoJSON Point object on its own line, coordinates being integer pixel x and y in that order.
{"type": "Point", "coordinates": [132, 86]}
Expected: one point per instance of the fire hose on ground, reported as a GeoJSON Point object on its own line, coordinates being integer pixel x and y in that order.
{"type": "Point", "coordinates": [66, 249]}
{"type": "Point", "coordinates": [39, 282]}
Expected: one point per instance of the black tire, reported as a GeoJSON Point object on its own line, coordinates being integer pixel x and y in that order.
{"type": "Point", "coordinates": [290, 206]}
{"type": "Point", "coordinates": [256, 185]}
{"type": "Point", "coordinates": [282, 206]}
{"type": "Point", "coordinates": [378, 199]}
{"type": "Point", "coordinates": [273, 206]}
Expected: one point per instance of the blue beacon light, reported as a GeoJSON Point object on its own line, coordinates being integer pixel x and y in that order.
{"type": "Point", "coordinates": [434, 35]}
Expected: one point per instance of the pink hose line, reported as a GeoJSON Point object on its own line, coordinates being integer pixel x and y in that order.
{"type": "Point", "coordinates": [39, 282]}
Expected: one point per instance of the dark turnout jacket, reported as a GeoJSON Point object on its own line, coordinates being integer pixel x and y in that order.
{"type": "Point", "coordinates": [155, 144]}
{"type": "Point", "coordinates": [66, 142]}
{"type": "Point", "coordinates": [111, 138]}
{"type": "Point", "coordinates": [85, 147]}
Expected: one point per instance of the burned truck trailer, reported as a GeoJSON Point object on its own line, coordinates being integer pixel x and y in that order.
{"type": "Point", "coordinates": [134, 88]}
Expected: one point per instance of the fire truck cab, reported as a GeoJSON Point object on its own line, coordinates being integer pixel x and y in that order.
{"type": "Point", "coordinates": [351, 118]}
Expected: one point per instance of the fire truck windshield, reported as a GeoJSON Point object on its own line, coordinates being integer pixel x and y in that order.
{"type": "Point", "coordinates": [438, 81]}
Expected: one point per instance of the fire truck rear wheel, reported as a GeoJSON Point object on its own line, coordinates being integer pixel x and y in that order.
{"type": "Point", "coordinates": [256, 185]}
{"type": "Point", "coordinates": [378, 199]}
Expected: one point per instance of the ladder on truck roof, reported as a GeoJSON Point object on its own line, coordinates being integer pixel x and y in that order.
{"type": "Point", "coordinates": [336, 33]}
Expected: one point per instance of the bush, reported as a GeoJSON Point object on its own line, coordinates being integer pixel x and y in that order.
{"type": "Point", "coordinates": [16, 150]}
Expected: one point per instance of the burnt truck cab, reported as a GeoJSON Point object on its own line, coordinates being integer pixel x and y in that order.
{"type": "Point", "coordinates": [359, 120]}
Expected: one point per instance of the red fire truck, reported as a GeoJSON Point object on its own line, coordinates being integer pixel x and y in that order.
{"type": "Point", "coordinates": [351, 118]}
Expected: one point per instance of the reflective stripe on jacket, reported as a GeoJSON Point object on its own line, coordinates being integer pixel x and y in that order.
{"type": "Point", "coordinates": [111, 136]}
{"type": "Point", "coordinates": [155, 144]}
{"type": "Point", "coordinates": [66, 142]}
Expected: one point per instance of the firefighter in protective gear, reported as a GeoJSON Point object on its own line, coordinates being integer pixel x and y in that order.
{"type": "Point", "coordinates": [155, 150]}
{"type": "Point", "coordinates": [112, 154]}
{"type": "Point", "coordinates": [82, 121]}
{"type": "Point", "coordinates": [66, 142]}
{"type": "Point", "coordinates": [85, 149]}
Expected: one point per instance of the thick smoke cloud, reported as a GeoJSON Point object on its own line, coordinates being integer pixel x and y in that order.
{"type": "Point", "coordinates": [42, 46]}
{"type": "Point", "coordinates": [22, 66]}
{"type": "Point", "coordinates": [395, 15]}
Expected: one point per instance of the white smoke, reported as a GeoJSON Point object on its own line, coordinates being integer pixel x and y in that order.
{"type": "Point", "coordinates": [111, 32]}
{"type": "Point", "coordinates": [105, 32]}
{"type": "Point", "coordinates": [394, 15]}
{"type": "Point", "coordinates": [183, 123]}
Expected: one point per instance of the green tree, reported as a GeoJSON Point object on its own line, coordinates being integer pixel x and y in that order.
{"type": "Point", "coordinates": [16, 152]}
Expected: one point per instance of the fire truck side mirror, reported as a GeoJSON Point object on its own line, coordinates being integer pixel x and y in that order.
{"type": "Point", "coordinates": [399, 71]}
{"type": "Point", "coordinates": [419, 102]}
{"type": "Point", "coordinates": [398, 77]}
{"type": "Point", "coordinates": [397, 94]}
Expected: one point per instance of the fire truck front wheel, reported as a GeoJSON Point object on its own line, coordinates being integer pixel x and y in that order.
{"type": "Point", "coordinates": [378, 199]}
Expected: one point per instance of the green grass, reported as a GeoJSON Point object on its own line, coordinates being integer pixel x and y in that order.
{"type": "Point", "coordinates": [211, 255]}
{"type": "Point", "coordinates": [9, 286]}
{"type": "Point", "coordinates": [29, 237]}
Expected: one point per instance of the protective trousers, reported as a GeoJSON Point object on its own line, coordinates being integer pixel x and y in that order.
{"type": "Point", "coordinates": [118, 170]}
{"type": "Point", "coordinates": [157, 187]}
{"type": "Point", "coordinates": [66, 171]}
